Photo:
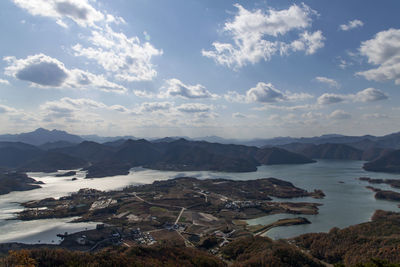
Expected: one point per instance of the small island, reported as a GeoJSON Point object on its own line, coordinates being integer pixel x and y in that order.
{"type": "Point", "coordinates": [16, 181]}
{"type": "Point", "coordinates": [66, 174]}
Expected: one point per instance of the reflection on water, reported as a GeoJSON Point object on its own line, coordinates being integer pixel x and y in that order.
{"type": "Point", "coordinates": [347, 200]}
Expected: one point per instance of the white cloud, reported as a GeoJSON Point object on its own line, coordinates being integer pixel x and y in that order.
{"type": "Point", "coordinates": [145, 94]}
{"type": "Point", "coordinates": [366, 95]}
{"type": "Point", "coordinates": [343, 64]}
{"type": "Point", "coordinates": [176, 88]}
{"type": "Point", "coordinates": [308, 42]}
{"type": "Point", "coordinates": [339, 115]}
{"type": "Point", "coordinates": [127, 58]}
{"type": "Point", "coordinates": [155, 106]}
{"type": "Point", "coordinates": [265, 93]}
{"type": "Point", "coordinates": [238, 115]}
{"type": "Point", "coordinates": [375, 116]}
{"type": "Point", "coordinates": [351, 25]}
{"type": "Point", "coordinates": [287, 108]}
{"type": "Point", "coordinates": [194, 108]}
{"type": "Point", "coordinates": [327, 99]}
{"type": "Point", "coordinates": [330, 82]}
{"type": "Point", "coordinates": [119, 108]}
{"type": "Point", "coordinates": [370, 95]}
{"type": "Point", "coordinates": [233, 96]}
{"type": "Point", "coordinates": [248, 30]}
{"type": "Point", "coordinates": [80, 11]}
{"type": "Point", "coordinates": [5, 82]}
{"type": "Point", "coordinates": [384, 51]}
{"type": "Point", "coordinates": [74, 108]}
{"type": "Point", "coordinates": [117, 20]}
{"type": "Point", "coordinates": [44, 71]}
{"type": "Point", "coordinates": [7, 110]}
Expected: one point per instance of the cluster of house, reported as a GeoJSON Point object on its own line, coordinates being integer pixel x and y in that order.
{"type": "Point", "coordinates": [237, 205]}
{"type": "Point", "coordinates": [174, 226]}
{"type": "Point", "coordinates": [142, 238]}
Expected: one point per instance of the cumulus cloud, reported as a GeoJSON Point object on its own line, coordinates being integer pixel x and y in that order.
{"type": "Point", "coordinates": [308, 42]}
{"type": "Point", "coordinates": [127, 58]}
{"type": "Point", "coordinates": [384, 52]}
{"type": "Point", "coordinates": [330, 82]}
{"type": "Point", "coordinates": [327, 99]}
{"type": "Point", "coordinates": [233, 96]}
{"type": "Point", "coordinates": [80, 11]}
{"type": "Point", "coordinates": [249, 30]}
{"type": "Point", "coordinates": [265, 93]}
{"type": "Point", "coordinates": [339, 115]}
{"type": "Point", "coordinates": [370, 95]}
{"type": "Point", "coordinates": [366, 95]}
{"type": "Point", "coordinates": [44, 71]}
{"type": "Point", "coordinates": [176, 88]}
{"type": "Point", "coordinates": [119, 108]}
{"type": "Point", "coordinates": [5, 82]}
{"type": "Point", "coordinates": [155, 106]}
{"type": "Point", "coordinates": [351, 25]}
{"type": "Point", "coordinates": [194, 108]}
{"type": "Point", "coordinates": [70, 108]}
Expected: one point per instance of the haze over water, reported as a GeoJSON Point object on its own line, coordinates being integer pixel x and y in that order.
{"type": "Point", "coordinates": [347, 201]}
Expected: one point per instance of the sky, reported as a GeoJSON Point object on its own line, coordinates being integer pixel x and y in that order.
{"type": "Point", "coordinates": [235, 69]}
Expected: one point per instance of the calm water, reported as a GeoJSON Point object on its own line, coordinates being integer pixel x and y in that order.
{"type": "Point", "coordinates": [347, 201]}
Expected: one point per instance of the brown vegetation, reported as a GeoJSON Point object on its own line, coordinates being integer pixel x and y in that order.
{"type": "Point", "coordinates": [357, 244]}
{"type": "Point", "coordinates": [262, 251]}
{"type": "Point", "coordinates": [135, 256]}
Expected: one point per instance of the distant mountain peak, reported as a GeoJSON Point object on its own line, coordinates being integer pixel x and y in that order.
{"type": "Point", "coordinates": [41, 130]}
{"type": "Point", "coordinates": [41, 136]}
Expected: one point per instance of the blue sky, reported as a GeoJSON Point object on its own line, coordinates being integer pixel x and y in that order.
{"type": "Point", "coordinates": [239, 69]}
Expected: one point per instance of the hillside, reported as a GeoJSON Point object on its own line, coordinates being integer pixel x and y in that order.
{"type": "Point", "coordinates": [16, 182]}
{"type": "Point", "coordinates": [332, 151]}
{"type": "Point", "coordinates": [274, 155]}
{"type": "Point", "coordinates": [89, 151]}
{"type": "Point", "coordinates": [15, 154]}
{"type": "Point", "coordinates": [325, 151]}
{"type": "Point", "coordinates": [184, 155]}
{"type": "Point", "coordinates": [118, 157]}
{"type": "Point", "coordinates": [261, 251]}
{"type": "Point", "coordinates": [390, 162]}
{"type": "Point", "coordinates": [358, 243]}
{"type": "Point", "coordinates": [135, 256]}
{"type": "Point", "coordinates": [51, 162]}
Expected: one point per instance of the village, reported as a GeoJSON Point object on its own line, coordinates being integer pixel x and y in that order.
{"type": "Point", "coordinates": [183, 211]}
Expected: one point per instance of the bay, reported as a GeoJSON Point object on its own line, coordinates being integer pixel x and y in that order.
{"type": "Point", "coordinates": [347, 201]}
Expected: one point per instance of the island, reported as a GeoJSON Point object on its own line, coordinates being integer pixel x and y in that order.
{"type": "Point", "coordinates": [66, 174]}
{"type": "Point", "coordinates": [392, 182]}
{"type": "Point", "coordinates": [187, 210]}
{"type": "Point", "coordinates": [16, 181]}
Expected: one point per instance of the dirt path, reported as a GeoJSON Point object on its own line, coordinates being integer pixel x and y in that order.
{"type": "Point", "coordinates": [179, 216]}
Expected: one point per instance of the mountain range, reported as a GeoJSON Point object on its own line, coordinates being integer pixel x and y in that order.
{"type": "Point", "coordinates": [118, 157]}
{"type": "Point", "coordinates": [54, 138]}
{"type": "Point", "coordinates": [44, 150]}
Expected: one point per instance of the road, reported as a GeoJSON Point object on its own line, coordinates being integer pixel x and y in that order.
{"type": "Point", "coordinates": [179, 216]}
